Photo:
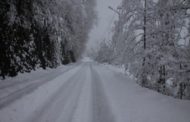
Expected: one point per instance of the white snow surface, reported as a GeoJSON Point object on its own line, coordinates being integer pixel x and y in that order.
{"type": "Point", "coordinates": [85, 92]}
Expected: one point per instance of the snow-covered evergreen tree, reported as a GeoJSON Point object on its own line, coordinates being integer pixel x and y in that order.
{"type": "Point", "coordinates": [42, 33]}
{"type": "Point", "coordinates": [148, 39]}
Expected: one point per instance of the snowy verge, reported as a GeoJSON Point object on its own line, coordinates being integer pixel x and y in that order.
{"type": "Point", "coordinates": [22, 109]}
{"type": "Point", "coordinates": [132, 103]}
{"type": "Point", "coordinates": [14, 88]}
{"type": "Point", "coordinates": [120, 69]}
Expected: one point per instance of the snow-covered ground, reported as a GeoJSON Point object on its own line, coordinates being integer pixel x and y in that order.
{"type": "Point", "coordinates": [85, 92]}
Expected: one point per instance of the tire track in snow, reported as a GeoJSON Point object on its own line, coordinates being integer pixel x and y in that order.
{"type": "Point", "coordinates": [102, 111]}
{"type": "Point", "coordinates": [83, 112]}
{"type": "Point", "coordinates": [61, 106]}
{"type": "Point", "coordinates": [53, 74]}
{"type": "Point", "coordinates": [27, 88]}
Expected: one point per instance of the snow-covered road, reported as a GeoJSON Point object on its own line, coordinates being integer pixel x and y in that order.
{"type": "Point", "coordinates": [86, 92]}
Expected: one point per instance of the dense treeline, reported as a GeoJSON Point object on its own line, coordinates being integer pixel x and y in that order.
{"type": "Point", "coordinates": [152, 39]}
{"type": "Point", "coordinates": [42, 33]}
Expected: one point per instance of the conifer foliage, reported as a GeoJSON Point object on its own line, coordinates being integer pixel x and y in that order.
{"type": "Point", "coordinates": [151, 38]}
{"type": "Point", "coordinates": [42, 33]}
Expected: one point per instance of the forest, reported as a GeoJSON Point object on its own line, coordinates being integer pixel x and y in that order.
{"type": "Point", "coordinates": [151, 39]}
{"type": "Point", "coordinates": [42, 33]}
{"type": "Point", "coordinates": [94, 60]}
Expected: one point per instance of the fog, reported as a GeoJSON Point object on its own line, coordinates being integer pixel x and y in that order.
{"type": "Point", "coordinates": [105, 22]}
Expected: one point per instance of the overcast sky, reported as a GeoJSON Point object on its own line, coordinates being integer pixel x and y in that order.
{"type": "Point", "coordinates": [105, 23]}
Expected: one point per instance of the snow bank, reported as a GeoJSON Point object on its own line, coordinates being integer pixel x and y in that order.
{"type": "Point", "coordinates": [22, 109]}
